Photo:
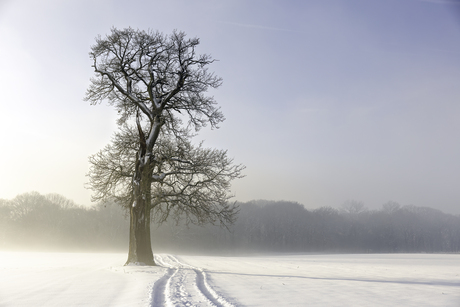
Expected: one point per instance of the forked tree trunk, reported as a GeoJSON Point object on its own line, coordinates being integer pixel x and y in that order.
{"type": "Point", "coordinates": [140, 246]}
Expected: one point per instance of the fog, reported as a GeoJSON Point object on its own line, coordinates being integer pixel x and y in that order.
{"type": "Point", "coordinates": [32, 221]}
{"type": "Point", "coordinates": [38, 222]}
{"type": "Point", "coordinates": [346, 115]}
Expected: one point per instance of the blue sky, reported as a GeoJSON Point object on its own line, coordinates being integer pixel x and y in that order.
{"type": "Point", "coordinates": [326, 101]}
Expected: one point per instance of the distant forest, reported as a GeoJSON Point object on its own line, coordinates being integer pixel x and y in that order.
{"type": "Point", "coordinates": [33, 221]}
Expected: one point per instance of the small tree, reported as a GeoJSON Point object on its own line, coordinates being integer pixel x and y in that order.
{"type": "Point", "coordinates": [154, 82]}
{"type": "Point", "coordinates": [353, 207]}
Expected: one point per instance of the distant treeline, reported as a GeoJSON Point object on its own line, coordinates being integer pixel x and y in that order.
{"type": "Point", "coordinates": [35, 221]}
{"type": "Point", "coordinates": [268, 226]}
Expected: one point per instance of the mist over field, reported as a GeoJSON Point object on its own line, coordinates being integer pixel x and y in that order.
{"type": "Point", "coordinates": [33, 221]}
{"type": "Point", "coordinates": [332, 109]}
{"type": "Point", "coordinates": [56, 253]}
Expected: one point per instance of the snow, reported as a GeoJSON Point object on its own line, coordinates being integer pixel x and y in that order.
{"type": "Point", "coordinates": [73, 279]}
{"type": "Point", "coordinates": [85, 279]}
{"type": "Point", "coordinates": [336, 280]}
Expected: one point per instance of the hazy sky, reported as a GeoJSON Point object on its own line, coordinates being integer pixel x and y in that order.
{"type": "Point", "coordinates": [325, 100]}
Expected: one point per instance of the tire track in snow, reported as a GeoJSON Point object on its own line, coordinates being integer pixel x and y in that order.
{"type": "Point", "coordinates": [183, 285]}
{"type": "Point", "coordinates": [157, 293]}
{"type": "Point", "coordinates": [203, 285]}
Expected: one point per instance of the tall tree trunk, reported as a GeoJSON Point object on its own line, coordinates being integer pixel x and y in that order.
{"type": "Point", "coordinates": [140, 246]}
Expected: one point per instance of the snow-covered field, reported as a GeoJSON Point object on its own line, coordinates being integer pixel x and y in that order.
{"type": "Point", "coordinates": [66, 279]}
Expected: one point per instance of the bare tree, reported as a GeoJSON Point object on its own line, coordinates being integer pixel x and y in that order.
{"type": "Point", "coordinates": [353, 207]}
{"type": "Point", "coordinates": [154, 82]}
{"type": "Point", "coordinates": [391, 207]}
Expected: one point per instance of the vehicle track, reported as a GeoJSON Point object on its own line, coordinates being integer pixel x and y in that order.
{"type": "Point", "coordinates": [183, 285]}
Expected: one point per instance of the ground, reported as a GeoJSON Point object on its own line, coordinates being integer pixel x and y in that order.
{"type": "Point", "coordinates": [75, 279]}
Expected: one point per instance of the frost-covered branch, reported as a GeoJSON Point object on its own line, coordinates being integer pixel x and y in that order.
{"type": "Point", "coordinates": [188, 181]}
{"type": "Point", "coordinates": [154, 72]}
